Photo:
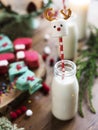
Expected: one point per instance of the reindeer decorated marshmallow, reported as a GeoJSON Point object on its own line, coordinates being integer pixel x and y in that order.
{"type": "Point", "coordinates": [59, 25]}
{"type": "Point", "coordinates": [59, 28]}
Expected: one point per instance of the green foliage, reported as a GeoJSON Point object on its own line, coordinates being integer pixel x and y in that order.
{"type": "Point", "coordinates": [5, 124]}
{"type": "Point", "coordinates": [87, 70]}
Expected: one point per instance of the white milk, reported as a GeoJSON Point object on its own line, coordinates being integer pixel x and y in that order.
{"type": "Point", "coordinates": [65, 96]}
{"type": "Point", "coordinates": [70, 42]}
{"type": "Point", "coordinates": [80, 7]}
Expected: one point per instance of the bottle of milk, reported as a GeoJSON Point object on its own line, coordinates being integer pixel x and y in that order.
{"type": "Point", "coordinates": [70, 41]}
{"type": "Point", "coordinates": [80, 7]}
{"type": "Point", "coordinates": [65, 91]}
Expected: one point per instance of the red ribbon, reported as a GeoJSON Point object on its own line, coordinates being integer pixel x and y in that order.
{"type": "Point", "coordinates": [1, 37]}
{"type": "Point", "coordinates": [30, 78]}
{"type": "Point", "coordinates": [5, 44]}
{"type": "Point", "coordinates": [18, 67]}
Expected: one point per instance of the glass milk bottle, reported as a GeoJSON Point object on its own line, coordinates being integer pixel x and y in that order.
{"type": "Point", "coordinates": [80, 7]}
{"type": "Point", "coordinates": [70, 42]}
{"type": "Point", "coordinates": [65, 91]}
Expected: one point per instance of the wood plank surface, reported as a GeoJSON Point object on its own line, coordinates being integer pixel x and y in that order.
{"type": "Point", "coordinates": [10, 97]}
{"type": "Point", "coordinates": [42, 118]}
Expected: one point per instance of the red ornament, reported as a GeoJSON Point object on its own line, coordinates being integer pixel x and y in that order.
{"type": "Point", "coordinates": [44, 56]}
{"type": "Point", "coordinates": [30, 78]}
{"type": "Point", "coordinates": [5, 44]}
{"type": "Point", "coordinates": [13, 115]}
{"type": "Point", "coordinates": [51, 62]}
{"type": "Point", "coordinates": [23, 109]}
{"type": "Point", "coordinates": [18, 67]}
{"type": "Point", "coordinates": [18, 112]}
{"type": "Point", "coordinates": [45, 88]}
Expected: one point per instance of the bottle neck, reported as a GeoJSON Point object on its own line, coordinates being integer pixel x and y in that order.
{"type": "Point", "coordinates": [70, 69]}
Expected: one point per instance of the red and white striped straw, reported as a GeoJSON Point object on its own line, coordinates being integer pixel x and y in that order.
{"type": "Point", "coordinates": [61, 53]}
{"type": "Point", "coordinates": [64, 6]}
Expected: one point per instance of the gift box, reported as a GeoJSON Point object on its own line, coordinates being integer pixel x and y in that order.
{"type": "Point", "coordinates": [10, 57]}
{"type": "Point", "coordinates": [5, 44]}
{"type": "Point", "coordinates": [31, 58]}
{"type": "Point", "coordinates": [28, 81]}
{"type": "Point", "coordinates": [16, 69]}
{"type": "Point", "coordinates": [3, 66]}
{"type": "Point", "coordinates": [27, 42]}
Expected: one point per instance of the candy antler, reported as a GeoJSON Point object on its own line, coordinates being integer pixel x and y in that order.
{"type": "Point", "coordinates": [49, 15]}
{"type": "Point", "coordinates": [67, 14]}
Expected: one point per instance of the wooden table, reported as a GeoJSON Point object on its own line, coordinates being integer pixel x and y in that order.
{"type": "Point", "coordinates": [42, 118]}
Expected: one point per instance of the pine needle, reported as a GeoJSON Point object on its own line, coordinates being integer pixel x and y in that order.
{"type": "Point", "coordinates": [87, 70]}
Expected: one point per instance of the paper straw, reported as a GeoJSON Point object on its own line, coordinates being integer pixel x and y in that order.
{"type": "Point", "coordinates": [61, 54]}
{"type": "Point", "coordinates": [64, 6]}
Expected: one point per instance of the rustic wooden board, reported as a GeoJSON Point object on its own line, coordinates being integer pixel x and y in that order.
{"type": "Point", "coordinates": [10, 97]}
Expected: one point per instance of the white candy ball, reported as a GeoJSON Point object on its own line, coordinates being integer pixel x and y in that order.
{"type": "Point", "coordinates": [47, 50]}
{"type": "Point", "coordinates": [47, 37]}
{"type": "Point", "coordinates": [29, 112]}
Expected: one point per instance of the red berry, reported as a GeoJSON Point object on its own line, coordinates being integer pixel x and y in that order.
{"type": "Point", "coordinates": [44, 56]}
{"type": "Point", "coordinates": [13, 115]}
{"type": "Point", "coordinates": [23, 109]}
{"type": "Point", "coordinates": [51, 62]}
{"type": "Point", "coordinates": [18, 112]}
{"type": "Point", "coordinates": [46, 88]}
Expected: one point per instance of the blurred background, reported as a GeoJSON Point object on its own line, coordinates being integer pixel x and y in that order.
{"type": "Point", "coordinates": [22, 18]}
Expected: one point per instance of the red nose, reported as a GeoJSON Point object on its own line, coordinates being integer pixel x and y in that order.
{"type": "Point", "coordinates": [58, 29]}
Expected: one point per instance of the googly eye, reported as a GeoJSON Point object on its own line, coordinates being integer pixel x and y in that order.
{"type": "Point", "coordinates": [54, 26]}
{"type": "Point", "coordinates": [61, 25]}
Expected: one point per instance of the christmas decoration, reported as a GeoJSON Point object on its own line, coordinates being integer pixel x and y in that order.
{"type": "Point", "coordinates": [29, 113]}
{"type": "Point", "coordinates": [20, 17]}
{"type": "Point", "coordinates": [5, 124]}
{"type": "Point", "coordinates": [87, 69]}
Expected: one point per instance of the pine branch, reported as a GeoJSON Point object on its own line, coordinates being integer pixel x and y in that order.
{"type": "Point", "coordinates": [87, 70]}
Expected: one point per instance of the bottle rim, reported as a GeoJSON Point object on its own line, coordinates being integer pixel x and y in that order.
{"type": "Point", "coordinates": [70, 68]}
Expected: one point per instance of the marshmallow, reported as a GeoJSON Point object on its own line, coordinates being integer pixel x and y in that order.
{"type": "Point", "coordinates": [47, 50]}
{"type": "Point", "coordinates": [29, 112]}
